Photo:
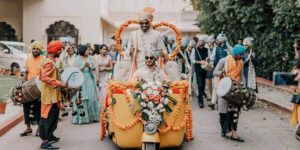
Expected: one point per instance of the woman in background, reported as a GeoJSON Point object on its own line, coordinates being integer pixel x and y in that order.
{"type": "Point", "coordinates": [103, 66]}
{"type": "Point", "coordinates": [88, 90]}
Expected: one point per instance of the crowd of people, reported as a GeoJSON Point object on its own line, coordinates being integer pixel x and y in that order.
{"type": "Point", "coordinates": [202, 60]}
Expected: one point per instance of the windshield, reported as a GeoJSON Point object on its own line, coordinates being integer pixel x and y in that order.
{"type": "Point", "coordinates": [22, 48]}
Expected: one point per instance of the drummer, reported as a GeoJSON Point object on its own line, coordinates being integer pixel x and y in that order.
{"type": "Point", "coordinates": [229, 114]}
{"type": "Point", "coordinates": [50, 97]}
{"type": "Point", "coordinates": [33, 66]}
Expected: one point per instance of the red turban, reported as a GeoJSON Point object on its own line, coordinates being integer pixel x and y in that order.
{"type": "Point", "coordinates": [54, 46]}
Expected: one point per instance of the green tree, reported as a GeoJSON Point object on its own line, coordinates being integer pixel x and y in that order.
{"type": "Point", "coordinates": [274, 25]}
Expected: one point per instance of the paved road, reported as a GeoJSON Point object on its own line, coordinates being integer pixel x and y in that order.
{"type": "Point", "coordinates": [262, 129]}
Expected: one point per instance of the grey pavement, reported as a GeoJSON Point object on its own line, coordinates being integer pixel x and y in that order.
{"type": "Point", "coordinates": [262, 129]}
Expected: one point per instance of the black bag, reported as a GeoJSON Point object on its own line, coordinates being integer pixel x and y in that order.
{"type": "Point", "coordinates": [296, 99]}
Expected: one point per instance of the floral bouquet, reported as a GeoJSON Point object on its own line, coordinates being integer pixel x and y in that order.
{"type": "Point", "coordinates": [154, 99]}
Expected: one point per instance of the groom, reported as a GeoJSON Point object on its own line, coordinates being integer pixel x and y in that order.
{"type": "Point", "coordinates": [143, 37]}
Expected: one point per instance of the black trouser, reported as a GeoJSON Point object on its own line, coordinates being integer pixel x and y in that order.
{"type": "Point", "coordinates": [34, 117]}
{"type": "Point", "coordinates": [48, 125]}
{"type": "Point", "coordinates": [229, 121]}
{"type": "Point", "coordinates": [201, 77]}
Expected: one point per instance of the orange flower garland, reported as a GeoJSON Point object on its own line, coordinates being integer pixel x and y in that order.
{"type": "Point", "coordinates": [187, 121]}
{"type": "Point", "coordinates": [127, 23]}
{"type": "Point", "coordinates": [118, 35]}
{"type": "Point", "coordinates": [178, 37]}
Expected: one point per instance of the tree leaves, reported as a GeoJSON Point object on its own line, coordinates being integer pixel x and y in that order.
{"type": "Point", "coordinates": [274, 25]}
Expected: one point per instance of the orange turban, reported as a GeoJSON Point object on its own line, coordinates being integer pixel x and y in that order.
{"type": "Point", "coordinates": [54, 46]}
{"type": "Point", "coordinates": [146, 13]}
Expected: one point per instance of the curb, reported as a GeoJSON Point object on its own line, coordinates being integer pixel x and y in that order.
{"type": "Point", "coordinates": [283, 88]}
{"type": "Point", "coordinates": [10, 123]}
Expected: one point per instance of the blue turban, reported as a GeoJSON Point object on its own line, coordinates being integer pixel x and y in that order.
{"type": "Point", "coordinates": [238, 49]}
{"type": "Point", "coordinates": [171, 38]}
{"type": "Point", "coordinates": [184, 42]}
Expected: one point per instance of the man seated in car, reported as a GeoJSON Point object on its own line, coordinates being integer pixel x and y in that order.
{"type": "Point", "coordinates": [151, 71]}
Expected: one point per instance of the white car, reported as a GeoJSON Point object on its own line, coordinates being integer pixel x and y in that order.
{"type": "Point", "coordinates": [13, 55]}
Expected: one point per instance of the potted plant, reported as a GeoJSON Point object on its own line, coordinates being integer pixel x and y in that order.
{"type": "Point", "coordinates": [2, 106]}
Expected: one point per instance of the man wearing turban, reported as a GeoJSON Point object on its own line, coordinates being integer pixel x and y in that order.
{"type": "Point", "coordinates": [198, 58]}
{"type": "Point", "coordinates": [222, 50]}
{"type": "Point", "coordinates": [231, 66]}
{"type": "Point", "coordinates": [250, 63]}
{"type": "Point", "coordinates": [32, 110]}
{"type": "Point", "coordinates": [50, 95]}
{"type": "Point", "coordinates": [143, 37]}
{"type": "Point", "coordinates": [151, 72]}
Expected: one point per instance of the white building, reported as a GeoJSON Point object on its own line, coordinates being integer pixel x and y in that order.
{"type": "Point", "coordinates": [93, 21]}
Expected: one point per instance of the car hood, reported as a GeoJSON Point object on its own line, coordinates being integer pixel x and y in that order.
{"type": "Point", "coordinates": [22, 56]}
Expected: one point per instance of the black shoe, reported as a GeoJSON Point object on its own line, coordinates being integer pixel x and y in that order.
{"type": "Point", "coordinates": [223, 134]}
{"type": "Point", "coordinates": [54, 139]}
{"type": "Point", "coordinates": [201, 105]}
{"type": "Point", "coordinates": [48, 146]}
{"type": "Point", "coordinates": [25, 133]}
{"type": "Point", "coordinates": [212, 106]}
{"type": "Point", "coordinates": [37, 134]}
{"type": "Point", "coordinates": [208, 99]}
{"type": "Point", "coordinates": [238, 139]}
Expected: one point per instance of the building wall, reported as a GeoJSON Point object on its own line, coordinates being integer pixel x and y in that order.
{"type": "Point", "coordinates": [38, 15]}
{"type": "Point", "coordinates": [11, 13]}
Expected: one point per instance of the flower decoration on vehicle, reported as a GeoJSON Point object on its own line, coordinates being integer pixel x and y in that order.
{"type": "Point", "coordinates": [154, 99]}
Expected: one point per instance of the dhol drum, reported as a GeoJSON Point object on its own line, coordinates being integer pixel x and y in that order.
{"type": "Point", "coordinates": [206, 66]}
{"type": "Point", "coordinates": [26, 92]}
{"type": "Point", "coordinates": [235, 93]}
{"type": "Point", "coordinates": [74, 78]}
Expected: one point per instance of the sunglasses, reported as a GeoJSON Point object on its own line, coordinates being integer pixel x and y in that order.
{"type": "Point", "coordinates": [151, 57]}
{"type": "Point", "coordinates": [144, 23]}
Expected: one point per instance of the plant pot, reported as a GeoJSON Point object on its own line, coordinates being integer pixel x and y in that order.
{"type": "Point", "coordinates": [17, 74]}
{"type": "Point", "coordinates": [2, 71]}
{"type": "Point", "coordinates": [7, 72]}
{"type": "Point", "coordinates": [2, 108]}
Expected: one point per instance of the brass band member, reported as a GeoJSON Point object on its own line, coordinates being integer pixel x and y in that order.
{"type": "Point", "coordinates": [231, 66]}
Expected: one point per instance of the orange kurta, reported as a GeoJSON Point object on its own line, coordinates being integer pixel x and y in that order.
{"type": "Point", "coordinates": [234, 68]}
{"type": "Point", "coordinates": [50, 86]}
{"type": "Point", "coordinates": [33, 66]}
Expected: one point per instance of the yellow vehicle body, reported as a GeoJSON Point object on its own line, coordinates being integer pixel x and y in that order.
{"type": "Point", "coordinates": [133, 136]}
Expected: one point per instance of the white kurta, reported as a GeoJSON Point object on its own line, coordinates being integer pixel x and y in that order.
{"type": "Point", "coordinates": [142, 40]}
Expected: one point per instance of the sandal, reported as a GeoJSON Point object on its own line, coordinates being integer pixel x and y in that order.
{"type": "Point", "coordinates": [237, 139]}
{"type": "Point", "coordinates": [25, 133]}
{"type": "Point", "coordinates": [297, 137]}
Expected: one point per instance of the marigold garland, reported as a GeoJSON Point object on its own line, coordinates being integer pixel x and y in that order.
{"type": "Point", "coordinates": [118, 35]}
{"type": "Point", "coordinates": [178, 37]}
{"type": "Point", "coordinates": [127, 23]}
{"type": "Point", "coordinates": [187, 121]}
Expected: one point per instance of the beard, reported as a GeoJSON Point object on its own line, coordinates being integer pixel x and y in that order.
{"type": "Point", "coordinates": [36, 54]}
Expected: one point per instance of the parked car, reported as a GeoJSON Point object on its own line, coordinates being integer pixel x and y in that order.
{"type": "Point", "coordinates": [13, 55]}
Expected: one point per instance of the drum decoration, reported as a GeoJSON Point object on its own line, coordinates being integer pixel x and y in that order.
{"type": "Point", "coordinates": [26, 92]}
{"type": "Point", "coordinates": [236, 93]}
{"type": "Point", "coordinates": [74, 77]}
{"type": "Point", "coordinates": [79, 105]}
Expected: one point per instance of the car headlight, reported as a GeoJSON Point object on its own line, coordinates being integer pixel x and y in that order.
{"type": "Point", "coordinates": [150, 127]}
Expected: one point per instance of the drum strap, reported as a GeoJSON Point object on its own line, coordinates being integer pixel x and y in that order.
{"type": "Point", "coordinates": [54, 64]}
{"type": "Point", "coordinates": [198, 54]}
